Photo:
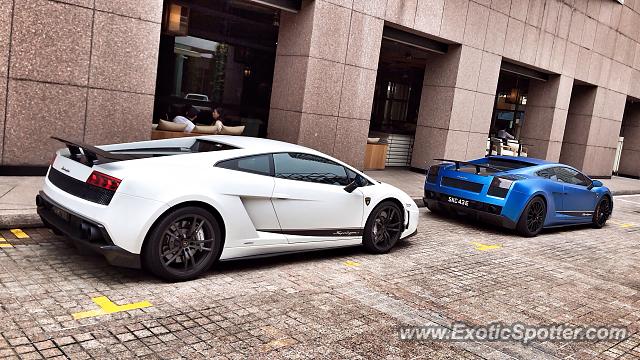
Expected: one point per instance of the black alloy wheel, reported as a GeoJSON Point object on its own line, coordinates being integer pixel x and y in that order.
{"type": "Point", "coordinates": [602, 213]}
{"type": "Point", "coordinates": [183, 245]}
{"type": "Point", "coordinates": [384, 228]}
{"type": "Point", "coordinates": [532, 219]}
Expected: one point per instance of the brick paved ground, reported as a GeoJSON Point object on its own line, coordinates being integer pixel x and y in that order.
{"type": "Point", "coordinates": [316, 305]}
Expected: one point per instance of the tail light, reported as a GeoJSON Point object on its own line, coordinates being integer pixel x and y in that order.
{"type": "Point", "coordinates": [103, 181]}
{"type": "Point", "coordinates": [500, 187]}
{"type": "Point", "coordinates": [432, 174]}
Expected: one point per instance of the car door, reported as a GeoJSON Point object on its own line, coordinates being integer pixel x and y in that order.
{"type": "Point", "coordinates": [554, 187]}
{"type": "Point", "coordinates": [254, 188]}
{"type": "Point", "coordinates": [578, 201]}
{"type": "Point", "coordinates": [310, 201]}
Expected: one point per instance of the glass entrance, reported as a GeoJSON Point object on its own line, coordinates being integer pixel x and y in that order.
{"type": "Point", "coordinates": [220, 54]}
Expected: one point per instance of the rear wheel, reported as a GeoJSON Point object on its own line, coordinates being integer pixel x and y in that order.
{"type": "Point", "coordinates": [183, 245]}
{"type": "Point", "coordinates": [532, 219]}
{"type": "Point", "coordinates": [384, 228]}
{"type": "Point", "coordinates": [602, 213]}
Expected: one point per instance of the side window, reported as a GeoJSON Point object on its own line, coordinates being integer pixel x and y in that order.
{"type": "Point", "coordinates": [548, 173]}
{"type": "Point", "coordinates": [311, 168]}
{"type": "Point", "coordinates": [259, 164]}
{"type": "Point", "coordinates": [571, 176]}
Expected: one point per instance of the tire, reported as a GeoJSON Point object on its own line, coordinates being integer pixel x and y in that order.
{"type": "Point", "coordinates": [602, 213]}
{"type": "Point", "coordinates": [183, 245]}
{"type": "Point", "coordinates": [532, 218]}
{"type": "Point", "coordinates": [383, 228]}
{"type": "Point", "coordinates": [435, 208]}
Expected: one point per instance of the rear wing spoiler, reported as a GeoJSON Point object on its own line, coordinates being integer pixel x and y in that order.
{"type": "Point", "coordinates": [91, 153]}
{"type": "Point", "coordinates": [477, 166]}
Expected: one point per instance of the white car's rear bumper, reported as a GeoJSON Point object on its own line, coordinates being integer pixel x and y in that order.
{"type": "Point", "coordinates": [121, 225]}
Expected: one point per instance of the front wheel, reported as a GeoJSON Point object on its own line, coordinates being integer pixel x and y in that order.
{"type": "Point", "coordinates": [532, 219]}
{"type": "Point", "coordinates": [383, 228]}
{"type": "Point", "coordinates": [602, 213]}
{"type": "Point", "coordinates": [183, 245]}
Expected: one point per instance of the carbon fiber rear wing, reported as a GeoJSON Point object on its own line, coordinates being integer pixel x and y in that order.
{"type": "Point", "coordinates": [91, 153]}
{"type": "Point", "coordinates": [477, 166]}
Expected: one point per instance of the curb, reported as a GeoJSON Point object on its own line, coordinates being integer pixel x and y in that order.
{"type": "Point", "coordinates": [625, 192]}
{"type": "Point", "coordinates": [28, 219]}
{"type": "Point", "coordinates": [418, 202]}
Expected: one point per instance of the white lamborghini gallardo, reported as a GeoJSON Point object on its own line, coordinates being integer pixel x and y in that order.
{"type": "Point", "coordinates": [176, 206]}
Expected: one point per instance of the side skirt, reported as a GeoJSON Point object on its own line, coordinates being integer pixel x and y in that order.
{"type": "Point", "coordinates": [258, 251]}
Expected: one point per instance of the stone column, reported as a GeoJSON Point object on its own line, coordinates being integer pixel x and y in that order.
{"type": "Point", "coordinates": [593, 127]}
{"type": "Point", "coordinates": [456, 106]}
{"type": "Point", "coordinates": [545, 116]}
{"type": "Point", "coordinates": [324, 79]}
{"type": "Point", "coordinates": [630, 159]}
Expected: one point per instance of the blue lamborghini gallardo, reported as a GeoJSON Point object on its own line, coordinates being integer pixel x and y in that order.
{"type": "Point", "coordinates": [518, 193]}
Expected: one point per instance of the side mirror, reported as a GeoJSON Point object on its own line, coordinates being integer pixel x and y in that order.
{"type": "Point", "coordinates": [595, 184]}
{"type": "Point", "coordinates": [359, 181]}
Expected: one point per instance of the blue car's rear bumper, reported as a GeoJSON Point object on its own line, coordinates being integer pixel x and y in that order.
{"type": "Point", "coordinates": [490, 213]}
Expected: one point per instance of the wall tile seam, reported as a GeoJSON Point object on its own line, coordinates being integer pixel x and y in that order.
{"type": "Point", "coordinates": [347, 7]}
{"type": "Point", "coordinates": [459, 88]}
{"type": "Point", "coordinates": [508, 13]}
{"type": "Point", "coordinates": [318, 114]}
{"type": "Point", "coordinates": [599, 146]}
{"type": "Point", "coordinates": [344, 69]}
{"type": "Point", "coordinates": [543, 140]}
{"type": "Point", "coordinates": [86, 105]}
{"type": "Point", "coordinates": [448, 129]}
{"type": "Point", "coordinates": [80, 86]}
{"type": "Point", "coordinates": [104, 11]}
{"type": "Point", "coordinates": [6, 95]}
{"type": "Point", "coordinates": [327, 60]}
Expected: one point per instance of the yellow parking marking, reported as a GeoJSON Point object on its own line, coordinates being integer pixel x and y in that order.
{"type": "Point", "coordinates": [4, 243]}
{"type": "Point", "coordinates": [108, 307]}
{"type": "Point", "coordinates": [623, 225]}
{"type": "Point", "coordinates": [19, 233]}
{"type": "Point", "coordinates": [351, 263]}
{"type": "Point", "coordinates": [485, 247]}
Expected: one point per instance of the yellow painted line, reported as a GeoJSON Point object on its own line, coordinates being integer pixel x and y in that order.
{"type": "Point", "coordinates": [5, 245]}
{"type": "Point", "coordinates": [19, 234]}
{"type": "Point", "coordinates": [485, 247]}
{"type": "Point", "coordinates": [108, 307]}
{"type": "Point", "coordinates": [3, 239]}
{"type": "Point", "coordinates": [626, 225]}
{"type": "Point", "coordinates": [351, 263]}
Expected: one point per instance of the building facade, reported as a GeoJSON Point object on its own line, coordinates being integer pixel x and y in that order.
{"type": "Point", "coordinates": [561, 77]}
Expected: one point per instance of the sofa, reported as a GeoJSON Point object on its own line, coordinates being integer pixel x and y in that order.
{"type": "Point", "coordinates": [169, 130]}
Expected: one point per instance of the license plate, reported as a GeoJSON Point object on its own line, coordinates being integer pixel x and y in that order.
{"type": "Point", "coordinates": [458, 201]}
{"type": "Point", "coordinates": [60, 213]}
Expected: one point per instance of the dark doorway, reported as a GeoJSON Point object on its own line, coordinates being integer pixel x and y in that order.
{"type": "Point", "coordinates": [397, 99]}
{"type": "Point", "coordinates": [508, 114]}
{"type": "Point", "coordinates": [398, 88]}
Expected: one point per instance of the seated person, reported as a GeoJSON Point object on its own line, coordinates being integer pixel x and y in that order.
{"type": "Point", "coordinates": [217, 117]}
{"type": "Point", "coordinates": [190, 115]}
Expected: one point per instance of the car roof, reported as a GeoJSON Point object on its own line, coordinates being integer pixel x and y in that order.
{"type": "Point", "coordinates": [253, 143]}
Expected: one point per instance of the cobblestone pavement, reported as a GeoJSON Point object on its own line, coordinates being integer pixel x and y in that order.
{"type": "Point", "coordinates": [335, 304]}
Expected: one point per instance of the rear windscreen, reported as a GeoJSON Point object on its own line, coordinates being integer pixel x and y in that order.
{"type": "Point", "coordinates": [495, 165]}
{"type": "Point", "coordinates": [508, 164]}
